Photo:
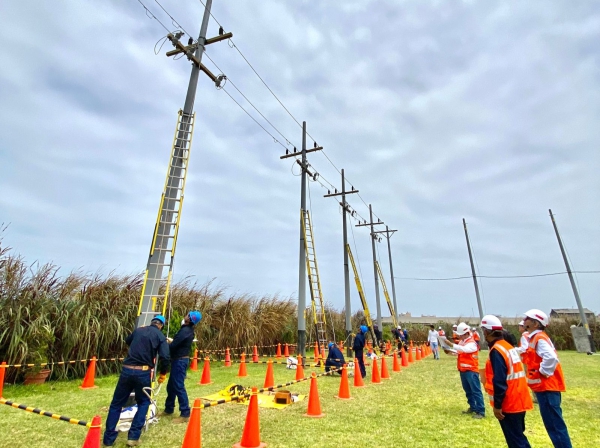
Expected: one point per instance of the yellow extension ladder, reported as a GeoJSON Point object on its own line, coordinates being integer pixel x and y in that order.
{"type": "Point", "coordinates": [157, 279]}
{"type": "Point", "coordinates": [312, 269]}
{"type": "Point", "coordinates": [361, 293]}
{"type": "Point", "coordinates": [387, 296]}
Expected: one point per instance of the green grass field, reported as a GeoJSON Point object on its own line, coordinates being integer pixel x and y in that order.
{"type": "Point", "coordinates": [419, 407]}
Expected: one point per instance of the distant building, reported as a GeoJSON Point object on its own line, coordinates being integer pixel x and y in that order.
{"type": "Point", "coordinates": [571, 314]}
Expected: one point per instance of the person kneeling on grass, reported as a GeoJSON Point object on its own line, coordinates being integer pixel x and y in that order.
{"type": "Point", "coordinates": [506, 384]}
{"type": "Point", "coordinates": [335, 358]}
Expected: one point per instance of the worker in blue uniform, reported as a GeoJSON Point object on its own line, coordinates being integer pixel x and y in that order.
{"type": "Point", "coordinates": [335, 359]}
{"type": "Point", "coordinates": [180, 349]}
{"type": "Point", "coordinates": [145, 343]}
{"type": "Point", "coordinates": [358, 347]}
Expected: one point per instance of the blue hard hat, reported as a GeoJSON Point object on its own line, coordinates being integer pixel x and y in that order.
{"type": "Point", "coordinates": [331, 344]}
{"type": "Point", "coordinates": [159, 318]}
{"type": "Point", "coordinates": [195, 316]}
{"type": "Point", "coordinates": [364, 329]}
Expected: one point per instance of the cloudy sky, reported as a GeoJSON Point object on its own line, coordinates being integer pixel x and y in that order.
{"type": "Point", "coordinates": [437, 111]}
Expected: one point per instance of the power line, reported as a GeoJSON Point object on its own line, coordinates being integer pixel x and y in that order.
{"type": "Point", "coordinates": [152, 16]}
{"type": "Point", "coordinates": [496, 276]}
{"type": "Point", "coordinates": [173, 21]}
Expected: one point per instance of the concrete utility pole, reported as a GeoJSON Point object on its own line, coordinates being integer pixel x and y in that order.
{"type": "Point", "coordinates": [348, 305]}
{"type": "Point", "coordinates": [302, 255]}
{"type": "Point", "coordinates": [165, 233]}
{"type": "Point", "coordinates": [373, 236]}
{"type": "Point", "coordinates": [388, 234]}
{"type": "Point", "coordinates": [473, 271]}
{"type": "Point", "coordinates": [573, 285]}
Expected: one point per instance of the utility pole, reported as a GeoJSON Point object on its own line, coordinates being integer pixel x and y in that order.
{"type": "Point", "coordinates": [162, 251]}
{"type": "Point", "coordinates": [388, 234]}
{"type": "Point", "coordinates": [373, 236]}
{"type": "Point", "coordinates": [348, 306]}
{"type": "Point", "coordinates": [573, 285]}
{"type": "Point", "coordinates": [302, 257]}
{"type": "Point", "coordinates": [473, 271]}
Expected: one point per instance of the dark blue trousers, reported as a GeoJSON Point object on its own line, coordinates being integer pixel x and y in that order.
{"type": "Point", "coordinates": [361, 364]}
{"type": "Point", "coordinates": [130, 380]}
{"type": "Point", "coordinates": [513, 427]}
{"type": "Point", "coordinates": [176, 387]}
{"type": "Point", "coordinates": [556, 427]}
{"type": "Point", "coordinates": [470, 384]}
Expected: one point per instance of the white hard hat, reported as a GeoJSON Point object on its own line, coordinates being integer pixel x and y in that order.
{"type": "Point", "coordinates": [538, 315]}
{"type": "Point", "coordinates": [439, 328]}
{"type": "Point", "coordinates": [462, 329]}
{"type": "Point", "coordinates": [399, 327]}
{"type": "Point", "coordinates": [521, 323]}
{"type": "Point", "coordinates": [454, 326]}
{"type": "Point", "coordinates": [491, 322]}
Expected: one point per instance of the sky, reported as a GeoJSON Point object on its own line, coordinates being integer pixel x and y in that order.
{"type": "Point", "coordinates": [437, 111]}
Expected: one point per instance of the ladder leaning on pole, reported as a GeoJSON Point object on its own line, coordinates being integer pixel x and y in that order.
{"type": "Point", "coordinates": [318, 307]}
{"type": "Point", "coordinates": [361, 293]}
{"type": "Point", "coordinates": [387, 295]}
{"type": "Point", "coordinates": [155, 290]}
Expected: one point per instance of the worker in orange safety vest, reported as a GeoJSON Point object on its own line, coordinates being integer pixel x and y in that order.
{"type": "Point", "coordinates": [506, 384]}
{"type": "Point", "coordinates": [545, 377]}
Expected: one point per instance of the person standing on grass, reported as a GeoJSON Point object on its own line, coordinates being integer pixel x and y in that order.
{"type": "Point", "coordinates": [358, 346]}
{"type": "Point", "coordinates": [468, 366]}
{"type": "Point", "coordinates": [506, 384]}
{"type": "Point", "coordinates": [432, 338]}
{"type": "Point", "coordinates": [378, 335]}
{"type": "Point", "coordinates": [455, 337]}
{"type": "Point", "coordinates": [180, 349]}
{"type": "Point", "coordinates": [145, 343]}
{"type": "Point", "coordinates": [545, 377]}
{"type": "Point", "coordinates": [441, 331]}
{"type": "Point", "coordinates": [524, 342]}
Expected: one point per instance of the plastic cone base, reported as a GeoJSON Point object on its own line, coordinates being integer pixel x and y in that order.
{"type": "Point", "coordinates": [193, 433]}
{"type": "Point", "coordinates": [251, 434]}
{"type": "Point", "coordinates": [314, 403]}
{"type": "Point", "coordinates": [92, 440]}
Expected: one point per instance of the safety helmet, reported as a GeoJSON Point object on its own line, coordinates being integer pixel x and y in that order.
{"type": "Point", "coordinates": [399, 327]}
{"type": "Point", "coordinates": [454, 326]}
{"type": "Point", "coordinates": [521, 323]}
{"type": "Point", "coordinates": [462, 328]}
{"type": "Point", "coordinates": [195, 316]}
{"type": "Point", "coordinates": [331, 344]}
{"type": "Point", "coordinates": [538, 315]}
{"type": "Point", "coordinates": [159, 318]}
{"type": "Point", "coordinates": [491, 322]}
{"type": "Point", "coordinates": [364, 329]}
{"type": "Point", "coordinates": [439, 328]}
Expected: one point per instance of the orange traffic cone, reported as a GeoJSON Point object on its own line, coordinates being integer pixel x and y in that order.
{"type": "Point", "coordinates": [358, 380]}
{"type": "Point", "coordinates": [90, 375]}
{"type": "Point", "coordinates": [242, 371]}
{"type": "Point", "coordinates": [396, 363]}
{"type": "Point", "coordinates": [299, 369]}
{"type": "Point", "coordinates": [227, 358]}
{"type": "Point", "coordinates": [193, 433]}
{"type": "Point", "coordinates": [410, 355]}
{"type": "Point", "coordinates": [286, 351]}
{"type": "Point", "coordinates": [344, 392]}
{"type": "Point", "coordinates": [385, 375]}
{"type": "Point", "coordinates": [206, 373]}
{"type": "Point", "coordinates": [255, 354]}
{"type": "Point", "coordinates": [375, 377]}
{"type": "Point", "coordinates": [269, 380]}
{"type": "Point", "coordinates": [418, 352]}
{"type": "Point", "coordinates": [2, 371]}
{"type": "Point", "coordinates": [251, 434]}
{"type": "Point", "coordinates": [404, 358]}
{"type": "Point", "coordinates": [92, 440]}
{"type": "Point", "coordinates": [314, 404]}
{"type": "Point", "coordinates": [194, 363]}
{"type": "Point", "coordinates": [278, 354]}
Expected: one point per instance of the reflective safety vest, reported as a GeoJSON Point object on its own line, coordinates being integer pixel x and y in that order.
{"type": "Point", "coordinates": [442, 333]}
{"type": "Point", "coordinates": [517, 398]}
{"type": "Point", "coordinates": [455, 337]}
{"type": "Point", "coordinates": [468, 361]}
{"type": "Point", "coordinates": [535, 380]}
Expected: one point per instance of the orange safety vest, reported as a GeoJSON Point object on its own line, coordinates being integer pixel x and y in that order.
{"type": "Point", "coordinates": [468, 361]}
{"type": "Point", "coordinates": [536, 381]}
{"type": "Point", "coordinates": [476, 336]}
{"type": "Point", "coordinates": [442, 333]}
{"type": "Point", "coordinates": [455, 337]}
{"type": "Point", "coordinates": [517, 398]}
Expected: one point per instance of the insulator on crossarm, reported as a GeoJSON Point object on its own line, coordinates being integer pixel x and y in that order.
{"type": "Point", "coordinates": [336, 191]}
{"type": "Point", "coordinates": [315, 144]}
{"type": "Point", "coordinates": [295, 149]}
{"type": "Point", "coordinates": [287, 151]}
{"type": "Point", "coordinates": [328, 191]}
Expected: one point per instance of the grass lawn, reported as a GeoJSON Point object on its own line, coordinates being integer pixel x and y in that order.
{"type": "Point", "coordinates": [419, 407]}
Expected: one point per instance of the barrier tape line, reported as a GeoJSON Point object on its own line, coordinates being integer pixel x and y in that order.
{"type": "Point", "coordinates": [63, 418]}
{"type": "Point", "coordinates": [60, 363]}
